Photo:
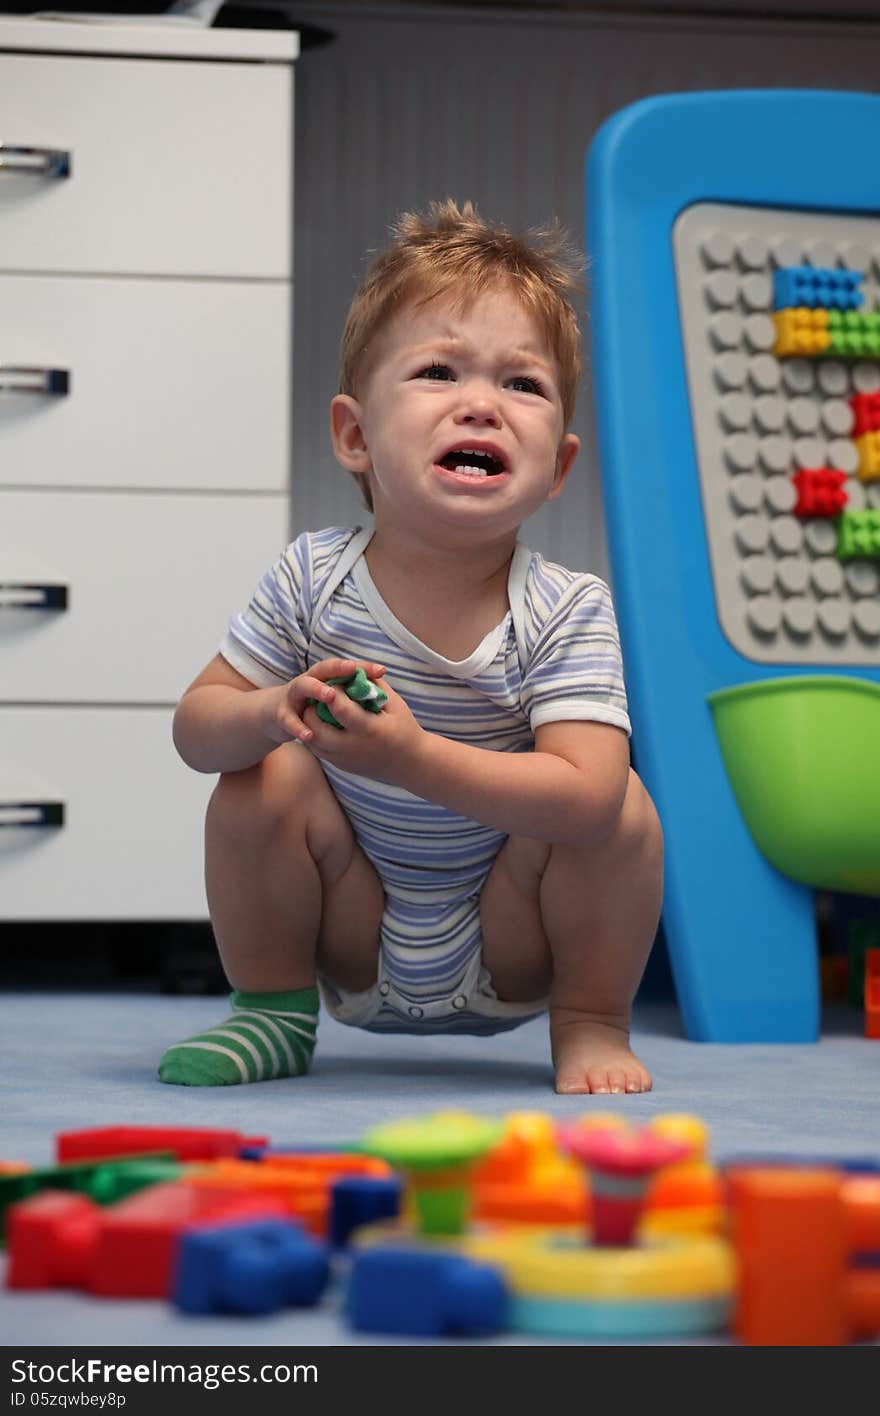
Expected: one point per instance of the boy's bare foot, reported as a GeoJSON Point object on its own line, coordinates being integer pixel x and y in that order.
{"type": "Point", "coordinates": [592, 1054]}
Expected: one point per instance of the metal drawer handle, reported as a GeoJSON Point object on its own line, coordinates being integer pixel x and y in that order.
{"type": "Point", "coordinates": [16, 379]}
{"type": "Point", "coordinates": [31, 813]}
{"type": "Point", "coordinates": [36, 162]}
{"type": "Point", "coordinates": [18, 596]}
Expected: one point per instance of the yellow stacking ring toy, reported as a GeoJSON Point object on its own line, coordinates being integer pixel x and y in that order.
{"type": "Point", "coordinates": [560, 1285]}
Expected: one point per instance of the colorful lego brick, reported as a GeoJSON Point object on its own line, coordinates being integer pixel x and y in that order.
{"type": "Point", "coordinates": [817, 287]}
{"type": "Point", "coordinates": [51, 1238]}
{"type": "Point", "coordinates": [182, 1142]}
{"type": "Point", "coordinates": [137, 1239]}
{"type": "Point", "coordinates": [858, 535]}
{"type": "Point", "coordinates": [854, 335]}
{"type": "Point", "coordinates": [302, 1183]}
{"type": "Point", "coordinates": [869, 456]}
{"type": "Point", "coordinates": [419, 1294]}
{"type": "Point", "coordinates": [356, 1200]}
{"type": "Point", "coordinates": [801, 332]}
{"type": "Point", "coordinates": [256, 1266]}
{"type": "Point", "coordinates": [866, 413]}
{"type": "Point", "coordinates": [789, 1228]}
{"type": "Point", "coordinates": [84, 1177]}
{"type": "Point", "coordinates": [872, 993]}
{"type": "Point", "coordinates": [820, 492]}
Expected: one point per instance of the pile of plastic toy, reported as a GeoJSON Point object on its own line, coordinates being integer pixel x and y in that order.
{"type": "Point", "coordinates": [457, 1225]}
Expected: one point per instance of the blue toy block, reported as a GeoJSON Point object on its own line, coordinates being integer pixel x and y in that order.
{"type": "Point", "coordinates": [254, 1267]}
{"type": "Point", "coordinates": [816, 287]}
{"type": "Point", "coordinates": [741, 936]}
{"type": "Point", "coordinates": [420, 1294]}
{"type": "Point", "coordinates": [362, 1199]}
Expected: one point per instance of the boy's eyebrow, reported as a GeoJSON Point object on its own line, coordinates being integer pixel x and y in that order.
{"type": "Point", "coordinates": [522, 354]}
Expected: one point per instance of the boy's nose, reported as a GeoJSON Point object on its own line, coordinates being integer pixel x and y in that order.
{"type": "Point", "coordinates": [479, 406]}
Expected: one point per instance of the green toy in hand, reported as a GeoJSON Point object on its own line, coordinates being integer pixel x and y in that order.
{"type": "Point", "coordinates": [358, 688]}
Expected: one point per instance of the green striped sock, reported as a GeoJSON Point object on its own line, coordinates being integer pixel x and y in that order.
{"type": "Point", "coordinates": [267, 1035]}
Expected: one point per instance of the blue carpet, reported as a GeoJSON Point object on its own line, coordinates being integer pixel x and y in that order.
{"type": "Point", "coordinates": [95, 1065]}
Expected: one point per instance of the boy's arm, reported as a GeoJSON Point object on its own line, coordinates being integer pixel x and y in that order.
{"type": "Point", "coordinates": [219, 723]}
{"type": "Point", "coordinates": [570, 790]}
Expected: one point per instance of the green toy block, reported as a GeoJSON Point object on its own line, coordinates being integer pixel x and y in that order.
{"type": "Point", "coordinates": [360, 690]}
{"type": "Point", "coordinates": [858, 535]}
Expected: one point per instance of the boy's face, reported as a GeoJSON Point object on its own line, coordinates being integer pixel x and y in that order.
{"type": "Point", "coordinates": [450, 389]}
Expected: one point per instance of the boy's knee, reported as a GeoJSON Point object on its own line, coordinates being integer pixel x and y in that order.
{"type": "Point", "coordinates": [639, 819]}
{"type": "Point", "coordinates": [273, 793]}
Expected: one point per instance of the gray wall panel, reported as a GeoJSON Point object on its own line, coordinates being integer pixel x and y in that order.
{"type": "Point", "coordinates": [402, 108]}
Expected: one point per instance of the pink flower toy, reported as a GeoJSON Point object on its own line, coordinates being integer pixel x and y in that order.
{"type": "Point", "coordinates": [620, 1164]}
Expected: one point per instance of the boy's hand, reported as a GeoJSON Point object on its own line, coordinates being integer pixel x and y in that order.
{"type": "Point", "coordinates": [284, 707]}
{"type": "Point", "coordinates": [382, 746]}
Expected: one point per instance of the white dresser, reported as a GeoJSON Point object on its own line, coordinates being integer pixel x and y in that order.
{"type": "Point", "coordinates": [146, 217]}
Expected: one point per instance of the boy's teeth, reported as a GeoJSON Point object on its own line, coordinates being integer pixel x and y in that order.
{"type": "Point", "coordinates": [473, 471]}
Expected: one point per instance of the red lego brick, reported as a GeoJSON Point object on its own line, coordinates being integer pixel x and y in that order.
{"type": "Point", "coordinates": [820, 491]}
{"type": "Point", "coordinates": [137, 1238]}
{"type": "Point", "coordinates": [51, 1239]}
{"type": "Point", "coordinates": [183, 1142]}
{"type": "Point", "coordinates": [872, 993]}
{"type": "Point", "coordinates": [866, 410]}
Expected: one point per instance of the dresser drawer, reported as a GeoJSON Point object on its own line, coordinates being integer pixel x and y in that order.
{"type": "Point", "coordinates": [157, 383]}
{"type": "Point", "coordinates": [127, 842]}
{"type": "Point", "coordinates": [176, 167]}
{"type": "Point", "coordinates": [116, 598]}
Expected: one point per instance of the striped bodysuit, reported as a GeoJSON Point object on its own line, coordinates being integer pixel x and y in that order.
{"type": "Point", "coordinates": [555, 655]}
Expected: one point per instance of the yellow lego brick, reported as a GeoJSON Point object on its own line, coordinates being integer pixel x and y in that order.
{"type": "Point", "coordinates": [869, 456]}
{"type": "Point", "coordinates": [801, 332]}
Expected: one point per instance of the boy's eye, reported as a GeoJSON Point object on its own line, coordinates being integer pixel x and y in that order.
{"type": "Point", "coordinates": [436, 371]}
{"type": "Point", "coordinates": [528, 385]}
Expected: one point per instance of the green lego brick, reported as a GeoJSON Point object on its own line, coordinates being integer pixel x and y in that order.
{"type": "Point", "coordinates": [858, 535]}
{"type": "Point", "coordinates": [102, 1180]}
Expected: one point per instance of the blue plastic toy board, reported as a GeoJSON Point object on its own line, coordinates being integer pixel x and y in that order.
{"type": "Point", "coordinates": [734, 247]}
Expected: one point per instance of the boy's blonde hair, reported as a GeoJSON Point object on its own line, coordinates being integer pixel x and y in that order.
{"type": "Point", "coordinates": [451, 249]}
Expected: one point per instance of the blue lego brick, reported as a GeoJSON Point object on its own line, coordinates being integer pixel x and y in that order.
{"type": "Point", "coordinates": [419, 1294]}
{"type": "Point", "coordinates": [817, 287]}
{"type": "Point", "coordinates": [362, 1199]}
{"type": "Point", "coordinates": [257, 1266]}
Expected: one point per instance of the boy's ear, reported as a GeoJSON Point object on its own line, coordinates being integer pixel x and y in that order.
{"type": "Point", "coordinates": [349, 443]}
{"type": "Point", "coordinates": [568, 451]}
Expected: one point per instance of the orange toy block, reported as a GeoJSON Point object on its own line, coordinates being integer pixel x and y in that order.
{"type": "Point", "coordinates": [790, 1233]}
{"type": "Point", "coordinates": [872, 993]}
{"type": "Point", "coordinates": [302, 1183]}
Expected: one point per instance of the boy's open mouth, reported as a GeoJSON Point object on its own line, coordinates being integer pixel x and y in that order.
{"type": "Point", "coordinates": [473, 462]}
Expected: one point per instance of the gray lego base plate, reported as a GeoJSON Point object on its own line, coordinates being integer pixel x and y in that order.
{"type": "Point", "coordinates": [782, 594]}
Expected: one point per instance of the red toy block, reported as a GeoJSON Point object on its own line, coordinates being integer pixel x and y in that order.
{"type": "Point", "coordinates": [137, 1238]}
{"type": "Point", "coordinates": [820, 491]}
{"type": "Point", "coordinates": [184, 1143]}
{"type": "Point", "coordinates": [866, 411]}
{"type": "Point", "coordinates": [51, 1239]}
{"type": "Point", "coordinates": [790, 1232]}
{"type": "Point", "coordinates": [872, 993]}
